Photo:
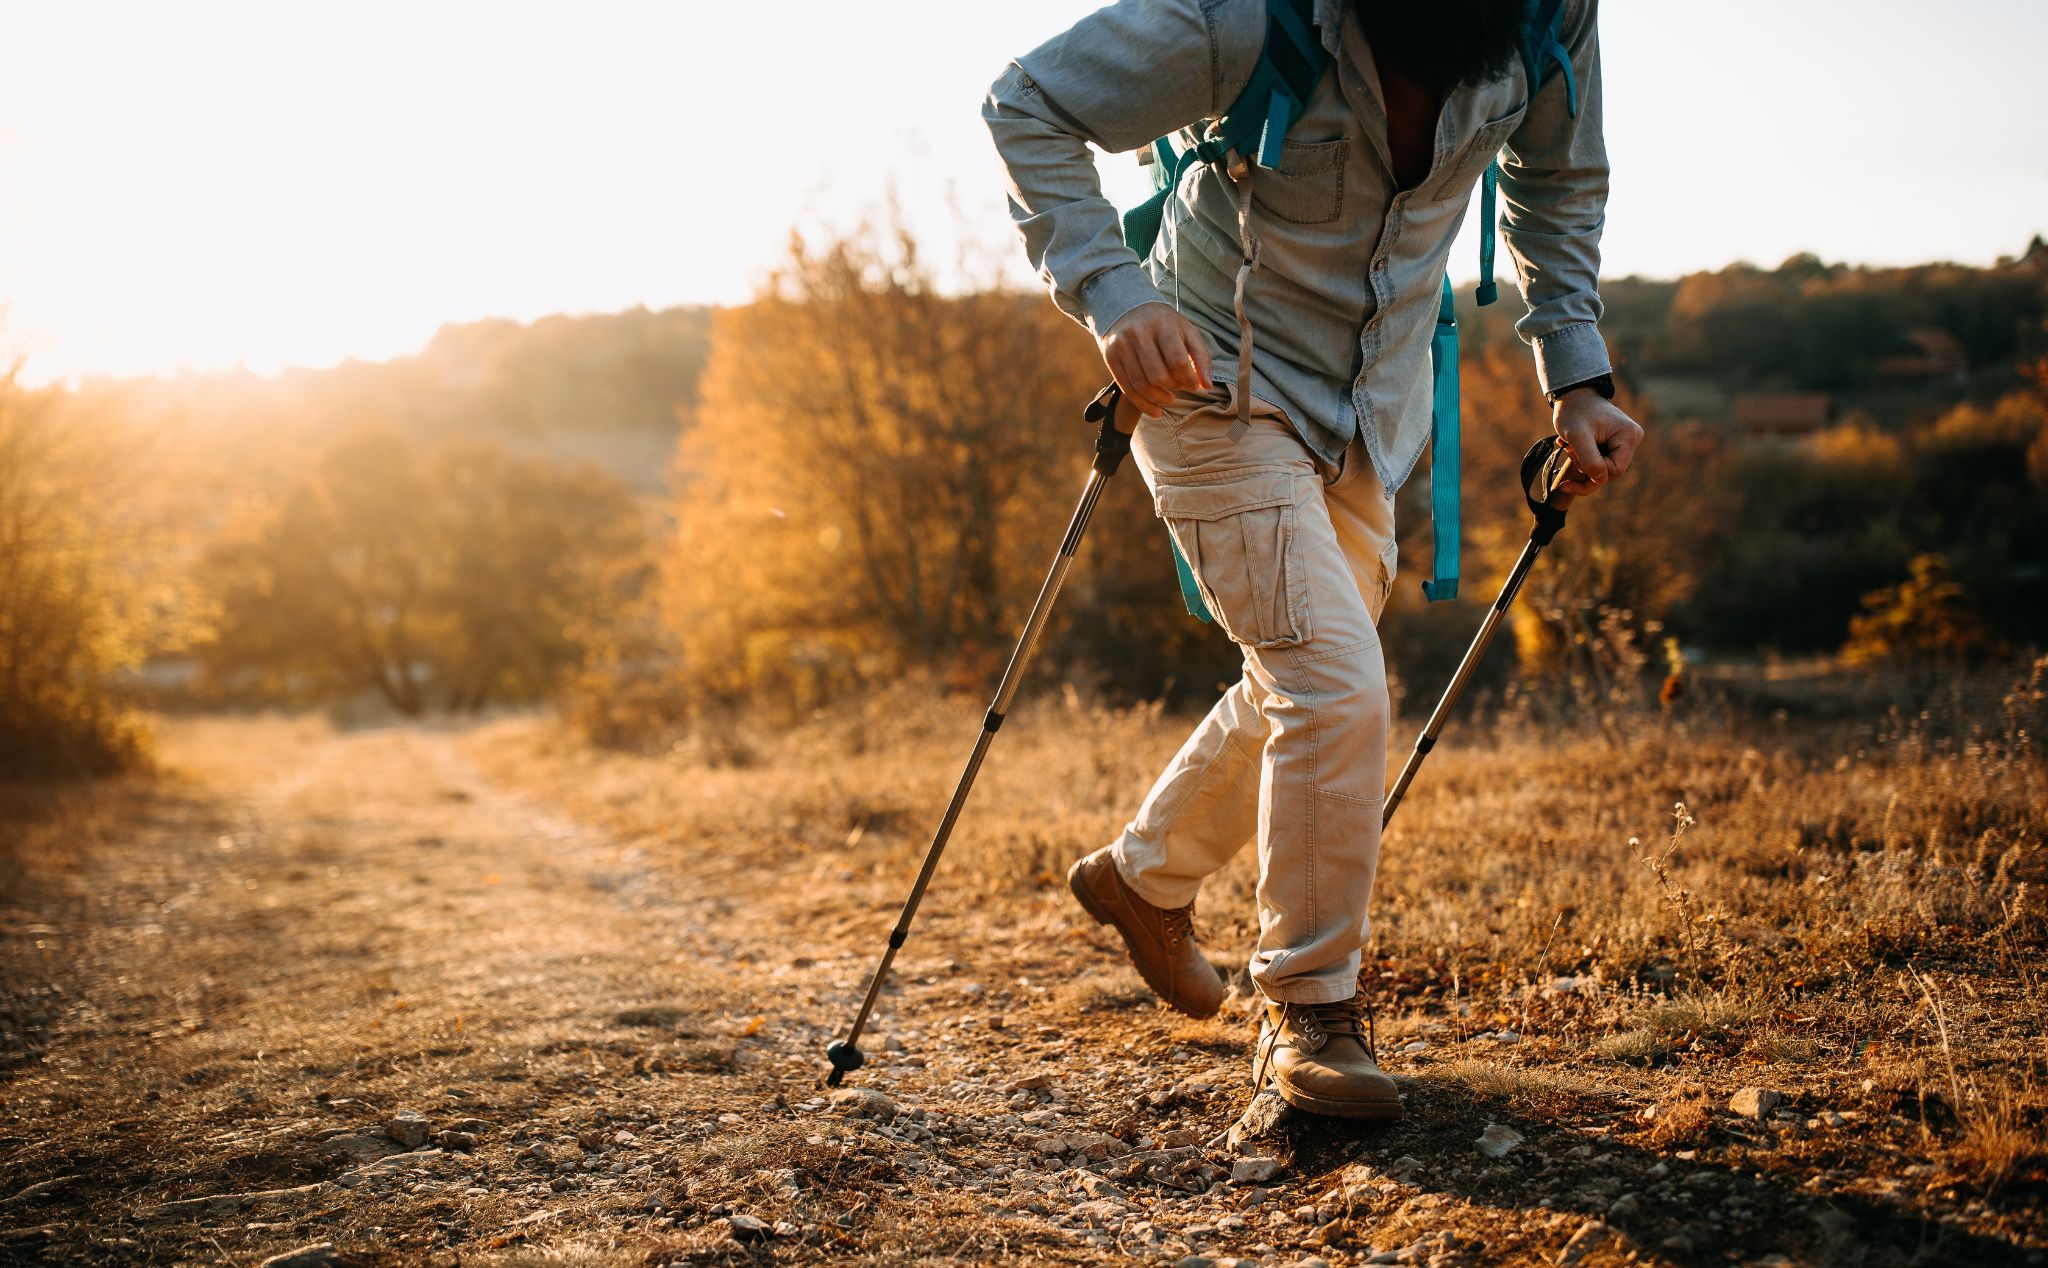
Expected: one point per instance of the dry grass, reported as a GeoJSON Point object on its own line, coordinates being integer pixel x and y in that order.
{"type": "Point", "coordinates": [584, 942]}
{"type": "Point", "coordinates": [1701, 1014]}
{"type": "Point", "coordinates": [1772, 935]}
{"type": "Point", "coordinates": [1638, 1045]}
{"type": "Point", "coordinates": [1999, 1141]}
{"type": "Point", "coordinates": [1543, 1089]}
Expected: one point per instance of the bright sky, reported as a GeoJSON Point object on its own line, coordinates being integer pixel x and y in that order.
{"type": "Point", "coordinates": [208, 184]}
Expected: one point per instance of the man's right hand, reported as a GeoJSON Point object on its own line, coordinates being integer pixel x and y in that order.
{"type": "Point", "coordinates": [1153, 353]}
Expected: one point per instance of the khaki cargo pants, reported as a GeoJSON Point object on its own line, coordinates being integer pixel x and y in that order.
{"type": "Point", "coordinates": [1295, 562]}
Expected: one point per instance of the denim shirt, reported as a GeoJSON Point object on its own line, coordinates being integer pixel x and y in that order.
{"type": "Point", "coordinates": [1349, 279]}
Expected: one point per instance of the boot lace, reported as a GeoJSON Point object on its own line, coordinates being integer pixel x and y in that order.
{"type": "Point", "coordinates": [1345, 1017]}
{"type": "Point", "coordinates": [1353, 1017]}
{"type": "Point", "coordinates": [1180, 924]}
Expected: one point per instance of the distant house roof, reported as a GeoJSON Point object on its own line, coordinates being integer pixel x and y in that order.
{"type": "Point", "coordinates": [1925, 353]}
{"type": "Point", "coordinates": [1783, 413]}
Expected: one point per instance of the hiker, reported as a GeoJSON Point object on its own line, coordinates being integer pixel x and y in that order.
{"type": "Point", "coordinates": [1329, 262]}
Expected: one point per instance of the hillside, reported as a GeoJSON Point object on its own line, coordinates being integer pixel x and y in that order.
{"type": "Point", "coordinates": [613, 389]}
{"type": "Point", "coordinates": [1894, 343]}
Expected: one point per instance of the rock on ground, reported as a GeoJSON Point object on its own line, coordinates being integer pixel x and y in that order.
{"type": "Point", "coordinates": [1096, 1145]}
{"type": "Point", "coordinates": [407, 1128]}
{"type": "Point", "coordinates": [1097, 1187]}
{"type": "Point", "coordinates": [748, 1228]}
{"type": "Point", "coordinates": [1755, 1102]}
{"type": "Point", "coordinates": [1497, 1141]}
{"type": "Point", "coordinates": [1266, 1115]}
{"type": "Point", "coordinates": [865, 1102]}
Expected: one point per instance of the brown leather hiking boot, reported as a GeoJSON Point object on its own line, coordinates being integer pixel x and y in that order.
{"type": "Point", "coordinates": [1318, 1059]}
{"type": "Point", "coordinates": [1161, 940]}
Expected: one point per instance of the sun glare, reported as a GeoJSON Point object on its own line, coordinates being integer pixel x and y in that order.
{"type": "Point", "coordinates": [236, 183]}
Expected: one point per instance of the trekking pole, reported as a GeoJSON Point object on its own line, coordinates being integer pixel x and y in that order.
{"type": "Point", "coordinates": [1543, 468]}
{"type": "Point", "coordinates": [1111, 445]}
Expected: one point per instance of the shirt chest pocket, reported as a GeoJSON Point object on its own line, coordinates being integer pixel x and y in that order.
{"type": "Point", "coordinates": [1462, 170]}
{"type": "Point", "coordinates": [1308, 186]}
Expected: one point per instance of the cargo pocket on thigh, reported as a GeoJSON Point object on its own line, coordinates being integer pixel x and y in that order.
{"type": "Point", "coordinates": [1237, 532]}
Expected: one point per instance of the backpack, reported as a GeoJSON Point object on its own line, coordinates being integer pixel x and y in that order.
{"type": "Point", "coordinates": [1248, 137]}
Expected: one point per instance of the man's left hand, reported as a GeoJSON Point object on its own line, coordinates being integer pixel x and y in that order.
{"type": "Point", "coordinates": [1602, 440]}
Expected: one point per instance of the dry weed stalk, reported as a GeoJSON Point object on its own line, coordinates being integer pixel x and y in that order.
{"type": "Point", "coordinates": [1993, 1136]}
{"type": "Point", "coordinates": [1948, 1056]}
{"type": "Point", "coordinates": [1676, 897]}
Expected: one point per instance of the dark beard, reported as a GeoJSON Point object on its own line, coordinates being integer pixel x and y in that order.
{"type": "Point", "coordinates": [1444, 43]}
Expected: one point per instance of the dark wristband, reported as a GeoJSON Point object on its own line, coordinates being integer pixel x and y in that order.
{"type": "Point", "coordinates": [1601, 383]}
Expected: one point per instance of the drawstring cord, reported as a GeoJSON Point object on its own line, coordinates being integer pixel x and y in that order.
{"type": "Point", "coordinates": [1240, 173]}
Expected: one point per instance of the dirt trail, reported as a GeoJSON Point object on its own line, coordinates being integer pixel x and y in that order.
{"type": "Point", "coordinates": [614, 1046]}
{"type": "Point", "coordinates": [310, 932]}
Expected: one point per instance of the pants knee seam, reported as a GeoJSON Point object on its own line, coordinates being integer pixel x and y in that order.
{"type": "Point", "coordinates": [1349, 649]}
{"type": "Point", "coordinates": [1332, 793]}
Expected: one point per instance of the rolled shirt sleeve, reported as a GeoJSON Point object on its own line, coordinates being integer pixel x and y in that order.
{"type": "Point", "coordinates": [1553, 184]}
{"type": "Point", "coordinates": [1119, 79]}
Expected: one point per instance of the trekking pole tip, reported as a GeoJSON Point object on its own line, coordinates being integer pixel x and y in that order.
{"type": "Point", "coordinates": [844, 1058]}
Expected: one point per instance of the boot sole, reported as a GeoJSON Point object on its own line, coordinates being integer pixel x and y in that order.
{"type": "Point", "coordinates": [1369, 1111]}
{"type": "Point", "coordinates": [1102, 917]}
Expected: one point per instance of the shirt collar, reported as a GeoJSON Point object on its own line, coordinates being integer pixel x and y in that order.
{"type": "Point", "coordinates": [1330, 22]}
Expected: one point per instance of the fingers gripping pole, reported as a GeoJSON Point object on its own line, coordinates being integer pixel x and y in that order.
{"type": "Point", "coordinates": [1110, 447]}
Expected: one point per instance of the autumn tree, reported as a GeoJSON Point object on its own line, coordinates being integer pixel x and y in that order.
{"type": "Point", "coordinates": [76, 611]}
{"type": "Point", "coordinates": [1812, 529]}
{"type": "Point", "coordinates": [870, 481]}
{"type": "Point", "coordinates": [1928, 619]}
{"type": "Point", "coordinates": [455, 578]}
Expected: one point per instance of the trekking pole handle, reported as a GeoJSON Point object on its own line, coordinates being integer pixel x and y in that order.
{"type": "Point", "coordinates": [1544, 470]}
{"type": "Point", "coordinates": [1112, 443]}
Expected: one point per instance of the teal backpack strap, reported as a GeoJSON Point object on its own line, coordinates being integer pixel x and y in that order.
{"type": "Point", "coordinates": [1141, 223]}
{"type": "Point", "coordinates": [1141, 231]}
{"type": "Point", "coordinates": [1489, 202]}
{"type": "Point", "coordinates": [1289, 67]}
{"type": "Point", "coordinates": [1290, 64]}
{"type": "Point", "coordinates": [1542, 48]}
{"type": "Point", "coordinates": [1443, 452]}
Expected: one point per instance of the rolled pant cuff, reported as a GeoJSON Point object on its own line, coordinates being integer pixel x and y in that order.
{"type": "Point", "coordinates": [1310, 991]}
{"type": "Point", "coordinates": [1122, 853]}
